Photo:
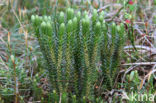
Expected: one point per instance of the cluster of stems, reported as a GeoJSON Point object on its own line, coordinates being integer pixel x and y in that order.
{"type": "Point", "coordinates": [73, 45]}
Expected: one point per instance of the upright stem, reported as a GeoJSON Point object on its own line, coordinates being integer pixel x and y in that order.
{"type": "Point", "coordinates": [16, 82]}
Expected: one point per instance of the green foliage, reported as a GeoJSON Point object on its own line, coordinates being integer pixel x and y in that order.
{"type": "Point", "coordinates": [8, 76]}
{"type": "Point", "coordinates": [154, 19]}
{"type": "Point", "coordinates": [73, 46]}
{"type": "Point", "coordinates": [154, 2]}
{"type": "Point", "coordinates": [133, 79]}
{"type": "Point", "coordinates": [110, 53]}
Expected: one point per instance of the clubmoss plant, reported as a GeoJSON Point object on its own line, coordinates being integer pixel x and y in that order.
{"type": "Point", "coordinates": [110, 54]}
{"type": "Point", "coordinates": [72, 46]}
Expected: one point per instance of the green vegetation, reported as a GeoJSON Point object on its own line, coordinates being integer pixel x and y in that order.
{"type": "Point", "coordinates": [77, 51]}
{"type": "Point", "coordinates": [86, 42]}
